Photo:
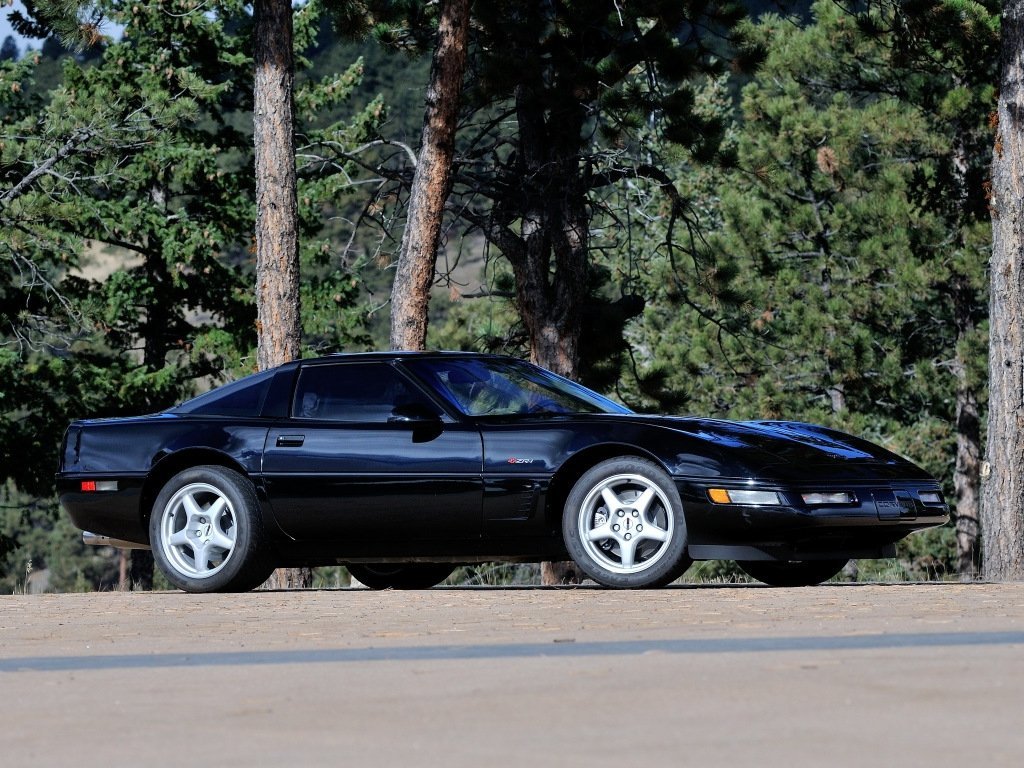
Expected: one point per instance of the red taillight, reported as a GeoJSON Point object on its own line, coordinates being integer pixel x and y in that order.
{"type": "Point", "coordinates": [88, 485]}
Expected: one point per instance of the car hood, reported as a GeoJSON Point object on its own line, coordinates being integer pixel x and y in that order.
{"type": "Point", "coordinates": [791, 451]}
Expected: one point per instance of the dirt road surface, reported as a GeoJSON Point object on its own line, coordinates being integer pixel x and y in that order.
{"type": "Point", "coordinates": [839, 675]}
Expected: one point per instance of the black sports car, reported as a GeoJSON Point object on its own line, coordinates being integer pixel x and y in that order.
{"type": "Point", "coordinates": [403, 465]}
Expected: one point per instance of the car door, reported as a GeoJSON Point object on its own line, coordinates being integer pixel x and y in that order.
{"type": "Point", "coordinates": [520, 457]}
{"type": "Point", "coordinates": [366, 456]}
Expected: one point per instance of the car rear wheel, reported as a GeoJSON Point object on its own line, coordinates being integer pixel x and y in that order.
{"type": "Point", "coordinates": [400, 575]}
{"type": "Point", "coordinates": [795, 573]}
{"type": "Point", "coordinates": [623, 525]}
{"type": "Point", "coordinates": [205, 532]}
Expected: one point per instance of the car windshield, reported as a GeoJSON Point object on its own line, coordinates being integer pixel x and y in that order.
{"type": "Point", "coordinates": [502, 387]}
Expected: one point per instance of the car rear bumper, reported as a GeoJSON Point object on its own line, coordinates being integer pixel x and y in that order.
{"type": "Point", "coordinates": [111, 509]}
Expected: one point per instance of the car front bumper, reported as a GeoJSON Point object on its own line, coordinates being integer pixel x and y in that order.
{"type": "Point", "coordinates": [880, 515]}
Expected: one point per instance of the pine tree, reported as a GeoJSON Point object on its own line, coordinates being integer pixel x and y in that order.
{"type": "Point", "coordinates": [855, 226]}
{"type": "Point", "coordinates": [142, 160]}
{"type": "Point", "coordinates": [947, 55]}
{"type": "Point", "coordinates": [558, 96]}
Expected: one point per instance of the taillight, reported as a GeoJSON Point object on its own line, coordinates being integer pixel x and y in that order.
{"type": "Point", "coordinates": [88, 486]}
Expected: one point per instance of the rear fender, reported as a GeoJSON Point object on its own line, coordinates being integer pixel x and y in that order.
{"type": "Point", "coordinates": [170, 465]}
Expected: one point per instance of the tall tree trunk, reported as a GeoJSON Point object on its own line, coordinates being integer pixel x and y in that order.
{"type": "Point", "coordinates": [410, 293]}
{"type": "Point", "coordinates": [278, 325]}
{"type": "Point", "coordinates": [550, 258]}
{"type": "Point", "coordinates": [278, 322]}
{"type": "Point", "coordinates": [966, 479]}
{"type": "Point", "coordinates": [1002, 522]}
{"type": "Point", "coordinates": [967, 472]}
{"type": "Point", "coordinates": [550, 266]}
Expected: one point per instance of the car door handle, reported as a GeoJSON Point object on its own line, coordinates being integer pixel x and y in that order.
{"type": "Point", "coordinates": [290, 441]}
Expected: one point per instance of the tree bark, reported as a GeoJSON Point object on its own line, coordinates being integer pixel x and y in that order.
{"type": "Point", "coordinates": [967, 472]}
{"type": "Point", "coordinates": [278, 320]}
{"type": "Point", "coordinates": [278, 324]}
{"type": "Point", "coordinates": [549, 258]}
{"type": "Point", "coordinates": [410, 292]}
{"type": "Point", "coordinates": [1002, 521]}
{"type": "Point", "coordinates": [966, 480]}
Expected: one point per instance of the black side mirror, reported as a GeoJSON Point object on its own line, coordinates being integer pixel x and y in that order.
{"type": "Point", "coordinates": [413, 415]}
{"type": "Point", "coordinates": [424, 422]}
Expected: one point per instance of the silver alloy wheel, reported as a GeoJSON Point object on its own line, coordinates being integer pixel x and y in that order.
{"type": "Point", "coordinates": [625, 524]}
{"type": "Point", "coordinates": [198, 530]}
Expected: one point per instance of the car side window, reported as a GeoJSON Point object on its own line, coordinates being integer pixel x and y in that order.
{"type": "Point", "coordinates": [359, 392]}
{"type": "Point", "coordinates": [240, 398]}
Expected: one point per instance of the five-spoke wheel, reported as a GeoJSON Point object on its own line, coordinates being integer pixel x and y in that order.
{"type": "Point", "coordinates": [205, 531]}
{"type": "Point", "coordinates": [624, 524]}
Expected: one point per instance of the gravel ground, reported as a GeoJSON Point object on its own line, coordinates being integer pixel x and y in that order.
{"type": "Point", "coordinates": [845, 674]}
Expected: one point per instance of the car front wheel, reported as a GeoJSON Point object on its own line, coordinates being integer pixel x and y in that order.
{"type": "Point", "coordinates": [623, 525]}
{"type": "Point", "coordinates": [795, 573]}
{"type": "Point", "coordinates": [400, 575]}
{"type": "Point", "coordinates": [205, 532]}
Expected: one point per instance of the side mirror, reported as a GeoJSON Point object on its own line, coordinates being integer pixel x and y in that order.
{"type": "Point", "coordinates": [413, 415]}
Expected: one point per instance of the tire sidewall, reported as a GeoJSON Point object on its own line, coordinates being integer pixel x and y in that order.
{"type": "Point", "coordinates": [671, 561]}
{"type": "Point", "coordinates": [238, 571]}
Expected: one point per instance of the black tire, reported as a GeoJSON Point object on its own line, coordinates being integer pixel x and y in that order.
{"type": "Point", "coordinates": [400, 575]}
{"type": "Point", "coordinates": [682, 567]}
{"type": "Point", "coordinates": [206, 534]}
{"type": "Point", "coordinates": [624, 527]}
{"type": "Point", "coordinates": [795, 573]}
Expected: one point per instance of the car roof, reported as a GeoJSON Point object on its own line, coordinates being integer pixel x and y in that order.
{"type": "Point", "coordinates": [402, 355]}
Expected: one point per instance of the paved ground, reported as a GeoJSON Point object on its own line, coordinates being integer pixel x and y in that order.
{"type": "Point", "coordinates": [845, 675]}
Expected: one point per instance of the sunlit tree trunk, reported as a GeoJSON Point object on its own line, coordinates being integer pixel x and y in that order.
{"type": "Point", "coordinates": [410, 293]}
{"type": "Point", "coordinates": [278, 324]}
{"type": "Point", "coordinates": [277, 250]}
{"type": "Point", "coordinates": [1002, 521]}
